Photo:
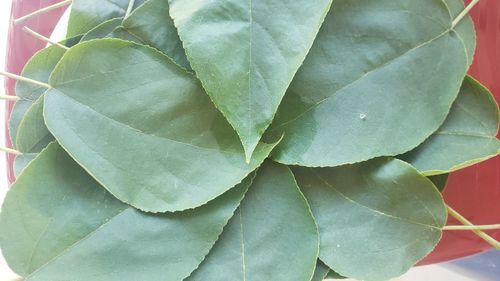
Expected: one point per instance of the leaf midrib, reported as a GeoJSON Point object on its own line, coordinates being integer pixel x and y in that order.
{"type": "Point", "coordinates": [361, 78]}
{"type": "Point", "coordinates": [370, 208]}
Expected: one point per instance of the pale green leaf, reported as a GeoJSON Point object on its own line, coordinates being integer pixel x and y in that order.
{"type": "Point", "coordinates": [33, 135]}
{"type": "Point", "coordinates": [21, 161]}
{"type": "Point", "coordinates": [246, 53]}
{"type": "Point", "coordinates": [467, 137]}
{"type": "Point", "coordinates": [272, 236]}
{"type": "Point", "coordinates": [57, 223]}
{"type": "Point", "coordinates": [103, 30]}
{"type": "Point", "coordinates": [376, 219]}
{"type": "Point", "coordinates": [38, 68]}
{"type": "Point", "coordinates": [380, 79]}
{"type": "Point", "coordinates": [143, 127]}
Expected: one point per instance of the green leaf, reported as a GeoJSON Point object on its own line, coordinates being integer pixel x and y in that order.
{"type": "Point", "coordinates": [246, 54]}
{"type": "Point", "coordinates": [21, 161]}
{"type": "Point", "coordinates": [103, 30]}
{"type": "Point", "coordinates": [273, 224]}
{"type": "Point", "coordinates": [33, 135]}
{"type": "Point", "coordinates": [440, 181]}
{"type": "Point", "coordinates": [467, 137]}
{"type": "Point", "coordinates": [57, 223]}
{"type": "Point", "coordinates": [368, 87]}
{"type": "Point", "coordinates": [376, 219]}
{"type": "Point", "coordinates": [465, 28]}
{"type": "Point", "coordinates": [87, 14]}
{"type": "Point", "coordinates": [38, 68]}
{"type": "Point", "coordinates": [143, 127]}
{"type": "Point", "coordinates": [152, 24]}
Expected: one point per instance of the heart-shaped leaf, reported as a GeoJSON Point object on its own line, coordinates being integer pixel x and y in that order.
{"type": "Point", "coordinates": [274, 223]}
{"type": "Point", "coordinates": [369, 86]}
{"type": "Point", "coordinates": [246, 54]}
{"type": "Point", "coordinates": [376, 219]}
{"type": "Point", "coordinates": [57, 223]}
{"type": "Point", "coordinates": [87, 14]}
{"type": "Point", "coordinates": [143, 127]}
{"type": "Point", "coordinates": [467, 137]}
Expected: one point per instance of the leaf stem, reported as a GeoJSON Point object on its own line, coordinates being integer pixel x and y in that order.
{"type": "Point", "coordinates": [472, 227]}
{"type": "Point", "coordinates": [43, 38]}
{"type": "Point", "coordinates": [9, 98]}
{"type": "Point", "coordinates": [25, 79]}
{"type": "Point", "coordinates": [10, 150]}
{"type": "Point", "coordinates": [490, 240]}
{"type": "Point", "coordinates": [42, 11]}
{"type": "Point", "coordinates": [130, 7]}
{"type": "Point", "coordinates": [464, 13]}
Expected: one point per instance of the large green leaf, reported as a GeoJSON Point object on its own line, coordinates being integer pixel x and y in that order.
{"type": "Point", "coordinates": [149, 24]}
{"type": "Point", "coordinates": [377, 82]}
{"type": "Point", "coordinates": [38, 68]}
{"type": "Point", "coordinates": [87, 14]}
{"type": "Point", "coordinates": [272, 236]}
{"type": "Point", "coordinates": [57, 223]}
{"type": "Point", "coordinates": [467, 137]}
{"type": "Point", "coordinates": [143, 127]}
{"type": "Point", "coordinates": [246, 53]}
{"type": "Point", "coordinates": [376, 219]}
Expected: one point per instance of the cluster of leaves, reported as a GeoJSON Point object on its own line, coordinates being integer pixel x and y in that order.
{"type": "Point", "coordinates": [239, 140]}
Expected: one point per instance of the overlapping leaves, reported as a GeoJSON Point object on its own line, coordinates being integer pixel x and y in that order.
{"type": "Point", "coordinates": [136, 132]}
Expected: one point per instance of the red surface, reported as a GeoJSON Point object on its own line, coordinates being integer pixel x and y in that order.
{"type": "Point", "coordinates": [474, 192]}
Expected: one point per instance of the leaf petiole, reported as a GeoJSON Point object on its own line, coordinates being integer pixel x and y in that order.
{"type": "Point", "coordinates": [25, 79]}
{"type": "Point", "coordinates": [10, 150]}
{"type": "Point", "coordinates": [9, 98]}
{"type": "Point", "coordinates": [464, 13]}
{"type": "Point", "coordinates": [472, 227]}
{"type": "Point", "coordinates": [43, 38]}
{"type": "Point", "coordinates": [130, 7]}
{"type": "Point", "coordinates": [42, 11]}
{"type": "Point", "coordinates": [490, 240]}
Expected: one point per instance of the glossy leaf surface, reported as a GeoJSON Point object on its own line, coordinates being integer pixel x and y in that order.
{"type": "Point", "coordinates": [57, 223]}
{"type": "Point", "coordinates": [368, 87]}
{"type": "Point", "coordinates": [376, 219]}
{"type": "Point", "coordinates": [467, 137]}
{"type": "Point", "coordinates": [246, 53]}
{"type": "Point", "coordinates": [143, 127]}
{"type": "Point", "coordinates": [273, 224]}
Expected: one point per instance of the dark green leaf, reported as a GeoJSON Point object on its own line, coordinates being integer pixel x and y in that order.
{"type": "Point", "coordinates": [380, 79]}
{"type": "Point", "coordinates": [246, 53]}
{"type": "Point", "coordinates": [376, 219]}
{"type": "Point", "coordinates": [103, 30]}
{"type": "Point", "coordinates": [440, 181]}
{"type": "Point", "coordinates": [467, 137]}
{"type": "Point", "coordinates": [143, 127]}
{"type": "Point", "coordinates": [57, 223]}
{"type": "Point", "coordinates": [272, 236]}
